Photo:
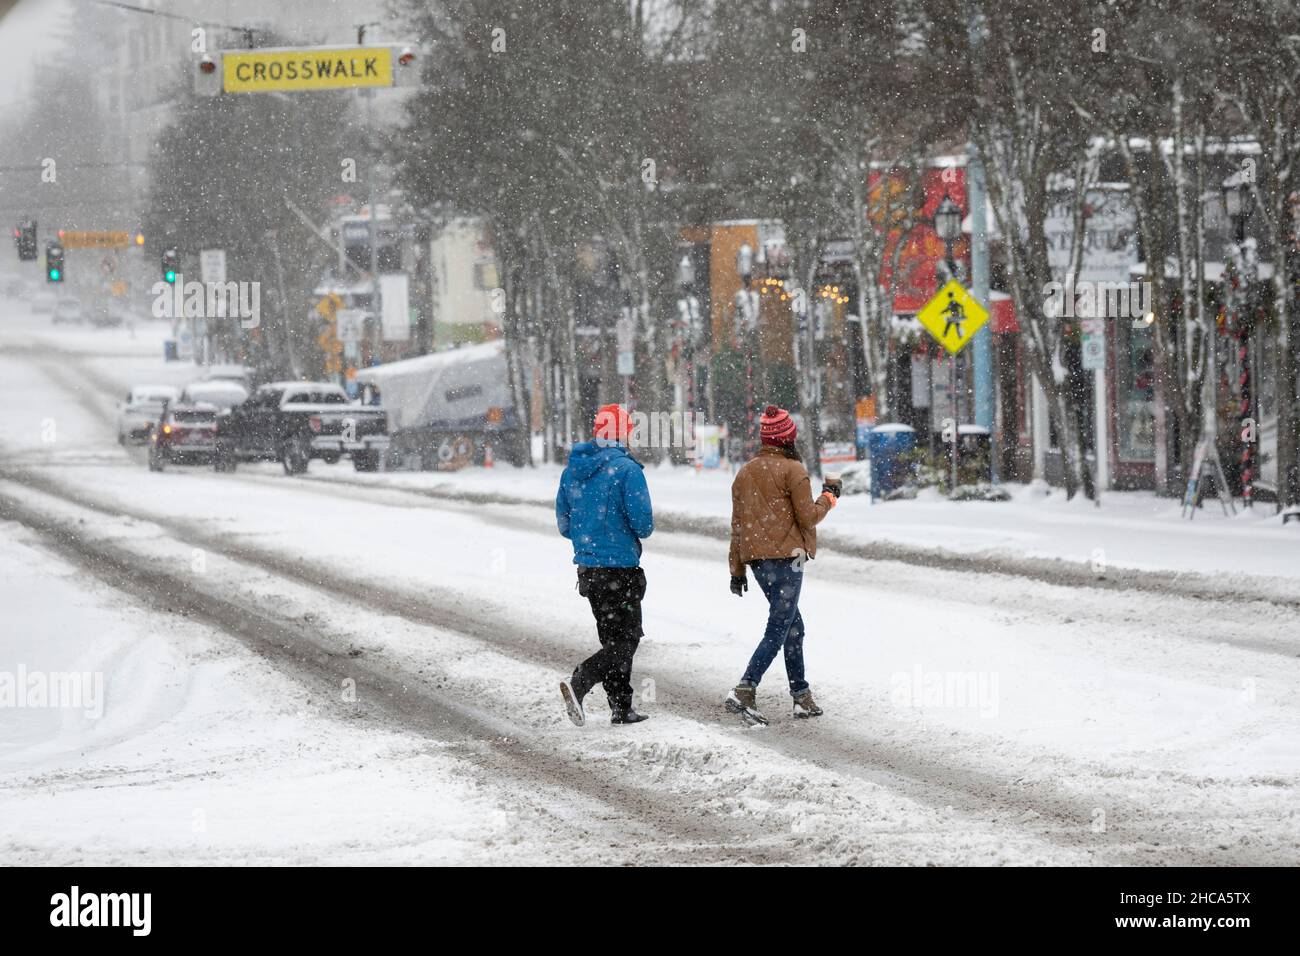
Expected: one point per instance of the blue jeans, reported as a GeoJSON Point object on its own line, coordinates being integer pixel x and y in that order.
{"type": "Point", "coordinates": [780, 579]}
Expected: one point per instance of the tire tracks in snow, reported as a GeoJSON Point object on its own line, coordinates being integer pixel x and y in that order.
{"type": "Point", "coordinates": [936, 777]}
{"type": "Point", "coordinates": [655, 827]}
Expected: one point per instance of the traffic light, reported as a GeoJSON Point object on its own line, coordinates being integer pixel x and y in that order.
{"type": "Point", "coordinates": [171, 264]}
{"type": "Point", "coordinates": [54, 262]}
{"type": "Point", "coordinates": [25, 239]}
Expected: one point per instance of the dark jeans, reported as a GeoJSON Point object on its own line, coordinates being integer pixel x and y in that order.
{"type": "Point", "coordinates": [615, 595]}
{"type": "Point", "coordinates": [780, 579]}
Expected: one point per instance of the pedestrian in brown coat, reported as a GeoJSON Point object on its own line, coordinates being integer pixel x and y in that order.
{"type": "Point", "coordinates": [774, 522]}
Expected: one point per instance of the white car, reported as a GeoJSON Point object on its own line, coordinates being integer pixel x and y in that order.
{"type": "Point", "coordinates": [44, 302]}
{"type": "Point", "coordinates": [68, 310]}
{"type": "Point", "coordinates": [222, 393]}
{"type": "Point", "coordinates": [229, 373]}
{"type": "Point", "coordinates": [143, 406]}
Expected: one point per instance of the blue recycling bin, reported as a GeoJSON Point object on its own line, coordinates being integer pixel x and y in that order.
{"type": "Point", "coordinates": [886, 446]}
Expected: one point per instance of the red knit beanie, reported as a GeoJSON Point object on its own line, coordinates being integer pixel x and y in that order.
{"type": "Point", "coordinates": [611, 424]}
{"type": "Point", "coordinates": [776, 427]}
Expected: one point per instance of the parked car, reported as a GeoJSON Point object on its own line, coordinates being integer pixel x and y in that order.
{"type": "Point", "coordinates": [137, 414]}
{"type": "Point", "coordinates": [68, 310]}
{"type": "Point", "coordinates": [43, 303]}
{"type": "Point", "coordinates": [225, 394]}
{"type": "Point", "coordinates": [294, 422]}
{"type": "Point", "coordinates": [183, 434]}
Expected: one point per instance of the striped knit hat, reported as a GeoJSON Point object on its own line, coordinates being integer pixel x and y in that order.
{"type": "Point", "coordinates": [776, 427]}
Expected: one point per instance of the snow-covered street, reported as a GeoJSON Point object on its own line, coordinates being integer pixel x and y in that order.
{"type": "Point", "coordinates": [363, 668]}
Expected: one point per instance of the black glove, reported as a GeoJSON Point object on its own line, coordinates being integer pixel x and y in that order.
{"type": "Point", "coordinates": [834, 487]}
{"type": "Point", "coordinates": [739, 585]}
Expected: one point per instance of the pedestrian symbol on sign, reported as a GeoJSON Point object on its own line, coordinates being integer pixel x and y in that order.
{"type": "Point", "coordinates": [954, 313]}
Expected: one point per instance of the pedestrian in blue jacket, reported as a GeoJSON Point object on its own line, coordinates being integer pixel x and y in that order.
{"type": "Point", "coordinates": [603, 507]}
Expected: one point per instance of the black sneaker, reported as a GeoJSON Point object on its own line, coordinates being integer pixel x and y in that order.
{"type": "Point", "coordinates": [628, 717]}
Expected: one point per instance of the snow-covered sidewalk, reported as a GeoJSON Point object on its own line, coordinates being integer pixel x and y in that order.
{"type": "Point", "coordinates": [1135, 530]}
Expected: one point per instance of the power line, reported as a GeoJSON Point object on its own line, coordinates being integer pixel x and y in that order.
{"type": "Point", "coordinates": [36, 167]}
{"type": "Point", "coordinates": [172, 16]}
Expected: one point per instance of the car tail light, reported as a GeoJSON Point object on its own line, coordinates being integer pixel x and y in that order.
{"type": "Point", "coordinates": [314, 422]}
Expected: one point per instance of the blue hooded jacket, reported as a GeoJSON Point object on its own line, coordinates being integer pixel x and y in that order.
{"type": "Point", "coordinates": [603, 506]}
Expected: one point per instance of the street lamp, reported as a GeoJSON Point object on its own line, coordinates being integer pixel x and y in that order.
{"type": "Point", "coordinates": [688, 308]}
{"type": "Point", "coordinates": [745, 263]}
{"type": "Point", "coordinates": [1237, 203]}
{"type": "Point", "coordinates": [947, 225]}
{"type": "Point", "coordinates": [686, 272]}
{"type": "Point", "coordinates": [747, 325]}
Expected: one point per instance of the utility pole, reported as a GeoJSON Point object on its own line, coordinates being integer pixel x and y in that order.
{"type": "Point", "coordinates": [376, 300]}
{"type": "Point", "coordinates": [985, 397]}
{"type": "Point", "coordinates": [375, 295]}
{"type": "Point", "coordinates": [273, 240]}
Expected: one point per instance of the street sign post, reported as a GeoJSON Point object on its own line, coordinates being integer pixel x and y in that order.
{"type": "Point", "coordinates": [1093, 345]}
{"type": "Point", "coordinates": [329, 304]}
{"type": "Point", "coordinates": [212, 265]}
{"type": "Point", "coordinates": [395, 307]}
{"type": "Point", "coordinates": [351, 323]}
{"type": "Point", "coordinates": [953, 317]}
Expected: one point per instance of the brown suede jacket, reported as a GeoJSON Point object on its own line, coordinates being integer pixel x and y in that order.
{"type": "Point", "coordinates": [773, 513]}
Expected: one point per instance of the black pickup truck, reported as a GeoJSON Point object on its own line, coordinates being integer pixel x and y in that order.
{"type": "Point", "coordinates": [294, 422]}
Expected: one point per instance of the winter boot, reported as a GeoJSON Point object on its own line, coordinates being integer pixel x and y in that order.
{"type": "Point", "coordinates": [628, 716]}
{"type": "Point", "coordinates": [805, 706]}
{"type": "Point", "coordinates": [742, 701]}
{"type": "Point", "coordinates": [572, 701]}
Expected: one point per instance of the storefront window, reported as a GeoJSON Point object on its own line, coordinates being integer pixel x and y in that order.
{"type": "Point", "coordinates": [1136, 392]}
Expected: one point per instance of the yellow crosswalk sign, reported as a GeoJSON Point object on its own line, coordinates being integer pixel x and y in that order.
{"type": "Point", "coordinates": [953, 316]}
{"type": "Point", "coordinates": [329, 305]}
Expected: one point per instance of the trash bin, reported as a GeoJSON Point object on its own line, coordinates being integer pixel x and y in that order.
{"type": "Point", "coordinates": [886, 445]}
{"type": "Point", "coordinates": [976, 458]}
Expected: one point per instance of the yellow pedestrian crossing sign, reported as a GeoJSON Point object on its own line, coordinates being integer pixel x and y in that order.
{"type": "Point", "coordinates": [953, 316]}
{"type": "Point", "coordinates": [329, 305]}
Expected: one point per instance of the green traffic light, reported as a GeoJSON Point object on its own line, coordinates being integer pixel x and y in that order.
{"type": "Point", "coordinates": [170, 276]}
{"type": "Point", "coordinates": [55, 275]}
